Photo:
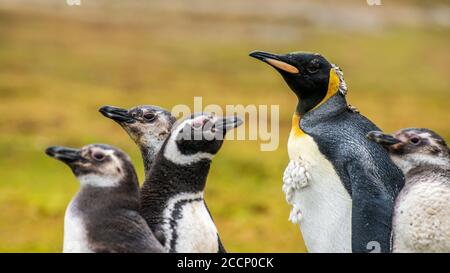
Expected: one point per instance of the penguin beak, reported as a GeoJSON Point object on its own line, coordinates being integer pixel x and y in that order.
{"type": "Point", "coordinates": [384, 139]}
{"type": "Point", "coordinates": [117, 114]}
{"type": "Point", "coordinates": [279, 62]}
{"type": "Point", "coordinates": [66, 155]}
{"type": "Point", "coordinates": [226, 124]}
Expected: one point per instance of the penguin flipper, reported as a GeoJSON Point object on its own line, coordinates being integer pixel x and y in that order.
{"type": "Point", "coordinates": [221, 247]}
{"type": "Point", "coordinates": [372, 208]}
{"type": "Point", "coordinates": [133, 236]}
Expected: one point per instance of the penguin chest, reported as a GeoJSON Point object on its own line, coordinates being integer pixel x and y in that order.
{"type": "Point", "coordinates": [324, 204]}
{"type": "Point", "coordinates": [421, 221]}
{"type": "Point", "coordinates": [75, 234]}
{"type": "Point", "coordinates": [192, 229]}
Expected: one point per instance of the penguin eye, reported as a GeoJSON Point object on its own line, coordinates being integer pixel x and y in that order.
{"type": "Point", "coordinates": [313, 66]}
{"type": "Point", "coordinates": [99, 156]}
{"type": "Point", "coordinates": [149, 116]}
{"type": "Point", "coordinates": [414, 140]}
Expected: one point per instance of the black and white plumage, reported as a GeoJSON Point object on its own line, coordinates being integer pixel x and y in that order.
{"type": "Point", "coordinates": [104, 215]}
{"type": "Point", "coordinates": [340, 185]}
{"type": "Point", "coordinates": [421, 218]}
{"type": "Point", "coordinates": [172, 197]}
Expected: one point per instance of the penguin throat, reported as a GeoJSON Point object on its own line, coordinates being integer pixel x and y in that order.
{"type": "Point", "coordinates": [295, 129]}
{"type": "Point", "coordinates": [173, 154]}
{"type": "Point", "coordinates": [183, 178]}
{"type": "Point", "coordinates": [336, 84]}
{"type": "Point", "coordinates": [413, 163]}
{"type": "Point", "coordinates": [100, 181]}
{"type": "Point", "coordinates": [148, 156]}
{"type": "Point", "coordinates": [307, 103]}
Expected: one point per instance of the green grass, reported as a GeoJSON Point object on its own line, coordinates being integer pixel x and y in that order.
{"type": "Point", "coordinates": [56, 71]}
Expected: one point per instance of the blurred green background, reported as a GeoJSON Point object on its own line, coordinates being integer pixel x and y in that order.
{"type": "Point", "coordinates": [60, 63]}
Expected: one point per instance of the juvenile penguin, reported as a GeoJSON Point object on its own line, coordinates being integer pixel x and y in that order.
{"type": "Point", "coordinates": [340, 185]}
{"type": "Point", "coordinates": [421, 218]}
{"type": "Point", "coordinates": [147, 125]}
{"type": "Point", "coordinates": [104, 215]}
{"type": "Point", "coordinates": [172, 197]}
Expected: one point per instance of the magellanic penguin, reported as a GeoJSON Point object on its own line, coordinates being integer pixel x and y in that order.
{"type": "Point", "coordinates": [421, 218]}
{"type": "Point", "coordinates": [147, 125]}
{"type": "Point", "coordinates": [172, 197]}
{"type": "Point", "coordinates": [341, 186]}
{"type": "Point", "coordinates": [104, 214]}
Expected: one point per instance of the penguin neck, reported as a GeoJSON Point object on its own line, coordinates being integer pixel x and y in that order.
{"type": "Point", "coordinates": [415, 165]}
{"type": "Point", "coordinates": [166, 181]}
{"type": "Point", "coordinates": [313, 99]}
{"type": "Point", "coordinates": [327, 108]}
{"type": "Point", "coordinates": [125, 195]}
{"type": "Point", "coordinates": [148, 156]}
{"type": "Point", "coordinates": [306, 103]}
{"type": "Point", "coordinates": [170, 178]}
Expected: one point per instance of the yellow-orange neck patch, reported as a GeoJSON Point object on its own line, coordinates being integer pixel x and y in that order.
{"type": "Point", "coordinates": [333, 87]}
{"type": "Point", "coordinates": [295, 129]}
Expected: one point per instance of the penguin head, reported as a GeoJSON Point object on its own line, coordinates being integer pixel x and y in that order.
{"type": "Point", "coordinates": [97, 165]}
{"type": "Point", "coordinates": [310, 76]}
{"type": "Point", "coordinates": [147, 125]}
{"type": "Point", "coordinates": [413, 147]}
{"type": "Point", "coordinates": [198, 137]}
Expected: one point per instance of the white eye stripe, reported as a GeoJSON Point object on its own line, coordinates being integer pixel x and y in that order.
{"type": "Point", "coordinates": [109, 173]}
{"type": "Point", "coordinates": [426, 136]}
{"type": "Point", "coordinates": [173, 154]}
{"type": "Point", "coordinates": [177, 127]}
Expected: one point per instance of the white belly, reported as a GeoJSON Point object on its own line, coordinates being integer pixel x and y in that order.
{"type": "Point", "coordinates": [422, 218]}
{"type": "Point", "coordinates": [324, 203]}
{"type": "Point", "coordinates": [195, 230]}
{"type": "Point", "coordinates": [75, 237]}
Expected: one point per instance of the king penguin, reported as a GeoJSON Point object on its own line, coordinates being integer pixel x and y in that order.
{"type": "Point", "coordinates": [172, 199]}
{"type": "Point", "coordinates": [421, 218]}
{"type": "Point", "coordinates": [103, 216]}
{"type": "Point", "coordinates": [340, 185]}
